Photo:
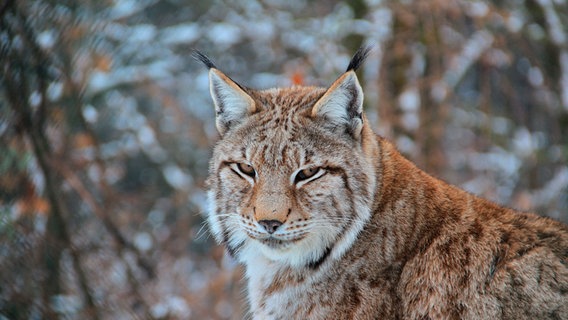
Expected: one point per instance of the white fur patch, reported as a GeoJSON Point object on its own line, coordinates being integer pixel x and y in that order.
{"type": "Point", "coordinates": [212, 218]}
{"type": "Point", "coordinates": [231, 102]}
{"type": "Point", "coordinates": [335, 103]}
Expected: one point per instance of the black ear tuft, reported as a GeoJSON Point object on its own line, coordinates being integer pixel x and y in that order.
{"type": "Point", "coordinates": [203, 58]}
{"type": "Point", "coordinates": [359, 57]}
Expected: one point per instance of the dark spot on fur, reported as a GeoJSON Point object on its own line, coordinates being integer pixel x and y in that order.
{"type": "Point", "coordinates": [316, 263]}
{"type": "Point", "coordinates": [354, 297]}
{"type": "Point", "coordinates": [524, 250]}
{"type": "Point", "coordinates": [352, 109]}
{"type": "Point", "coordinates": [460, 310]}
{"type": "Point", "coordinates": [505, 236]}
{"type": "Point", "coordinates": [385, 276]}
{"type": "Point", "coordinates": [497, 258]}
{"type": "Point", "coordinates": [477, 230]}
{"type": "Point", "coordinates": [520, 222]}
{"type": "Point", "coordinates": [516, 280]}
{"type": "Point", "coordinates": [545, 235]}
{"type": "Point", "coordinates": [467, 256]}
{"type": "Point", "coordinates": [539, 273]}
{"type": "Point", "coordinates": [232, 250]}
{"type": "Point", "coordinates": [554, 315]}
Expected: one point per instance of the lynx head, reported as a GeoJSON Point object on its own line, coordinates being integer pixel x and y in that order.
{"type": "Point", "coordinates": [292, 177]}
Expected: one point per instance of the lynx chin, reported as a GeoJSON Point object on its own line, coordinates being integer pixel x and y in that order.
{"type": "Point", "coordinates": [332, 222]}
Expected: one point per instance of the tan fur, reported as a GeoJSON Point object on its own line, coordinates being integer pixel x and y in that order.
{"type": "Point", "coordinates": [373, 237]}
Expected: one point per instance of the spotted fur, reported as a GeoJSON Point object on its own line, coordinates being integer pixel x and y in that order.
{"type": "Point", "coordinates": [331, 222]}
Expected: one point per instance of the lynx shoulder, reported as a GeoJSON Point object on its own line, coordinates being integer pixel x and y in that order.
{"type": "Point", "coordinates": [332, 222]}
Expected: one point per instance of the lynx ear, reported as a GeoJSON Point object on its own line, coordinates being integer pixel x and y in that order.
{"type": "Point", "coordinates": [232, 103]}
{"type": "Point", "coordinates": [342, 105]}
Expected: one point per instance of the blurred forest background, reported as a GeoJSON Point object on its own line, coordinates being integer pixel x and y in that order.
{"type": "Point", "coordinates": [106, 128]}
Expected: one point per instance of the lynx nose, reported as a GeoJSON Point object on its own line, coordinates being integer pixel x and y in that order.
{"type": "Point", "coordinates": [270, 225]}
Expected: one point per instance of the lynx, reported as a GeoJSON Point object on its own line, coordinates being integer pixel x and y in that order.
{"type": "Point", "coordinates": [332, 222]}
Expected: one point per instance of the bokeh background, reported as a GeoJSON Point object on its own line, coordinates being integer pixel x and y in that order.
{"type": "Point", "coordinates": [106, 128]}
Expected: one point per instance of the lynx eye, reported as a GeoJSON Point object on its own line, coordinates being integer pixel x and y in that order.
{"type": "Point", "coordinates": [246, 169]}
{"type": "Point", "coordinates": [308, 173]}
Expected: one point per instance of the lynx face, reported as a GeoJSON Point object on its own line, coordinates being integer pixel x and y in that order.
{"type": "Point", "coordinates": [290, 180]}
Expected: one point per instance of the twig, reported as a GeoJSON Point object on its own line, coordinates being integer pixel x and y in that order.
{"type": "Point", "coordinates": [100, 210]}
{"type": "Point", "coordinates": [56, 225]}
{"type": "Point", "coordinates": [74, 181]}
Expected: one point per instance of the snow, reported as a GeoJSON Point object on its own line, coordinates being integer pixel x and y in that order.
{"type": "Point", "coordinates": [66, 304]}
{"type": "Point", "coordinates": [143, 241]}
{"type": "Point", "coordinates": [224, 35]}
{"type": "Point", "coordinates": [35, 99]}
{"type": "Point", "coordinates": [54, 91]}
{"type": "Point", "coordinates": [515, 21]}
{"type": "Point", "coordinates": [535, 76]}
{"type": "Point", "coordinates": [180, 34]}
{"type": "Point", "coordinates": [555, 27]}
{"type": "Point", "coordinates": [477, 44]}
{"type": "Point", "coordinates": [47, 39]}
{"type": "Point", "coordinates": [409, 100]}
{"type": "Point", "coordinates": [497, 161]}
{"type": "Point", "coordinates": [171, 306]}
{"type": "Point", "coordinates": [146, 135]}
{"type": "Point", "coordinates": [477, 9]}
{"type": "Point", "coordinates": [142, 33]}
{"type": "Point", "coordinates": [125, 8]}
{"type": "Point", "coordinates": [176, 177]}
{"type": "Point", "coordinates": [90, 113]}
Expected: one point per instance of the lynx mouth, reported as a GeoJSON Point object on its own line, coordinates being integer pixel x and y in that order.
{"type": "Point", "coordinates": [275, 243]}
